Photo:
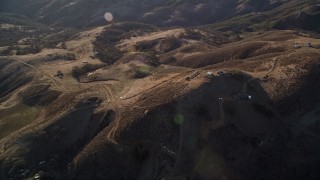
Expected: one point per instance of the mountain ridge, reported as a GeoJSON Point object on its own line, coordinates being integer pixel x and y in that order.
{"type": "Point", "coordinates": [83, 13]}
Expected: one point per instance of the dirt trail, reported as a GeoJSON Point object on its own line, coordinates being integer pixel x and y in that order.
{"type": "Point", "coordinates": [174, 78]}
{"type": "Point", "coordinates": [275, 65]}
{"type": "Point", "coordinates": [112, 132]}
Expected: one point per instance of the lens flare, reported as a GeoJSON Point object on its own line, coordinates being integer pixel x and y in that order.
{"type": "Point", "coordinates": [108, 16]}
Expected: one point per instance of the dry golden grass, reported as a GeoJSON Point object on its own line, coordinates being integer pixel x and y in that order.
{"type": "Point", "coordinates": [300, 58]}
{"type": "Point", "coordinates": [218, 55]}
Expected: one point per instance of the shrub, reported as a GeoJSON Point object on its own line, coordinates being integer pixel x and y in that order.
{"type": "Point", "coordinates": [107, 53]}
{"type": "Point", "coordinates": [69, 56]}
{"type": "Point", "coordinates": [6, 52]}
{"type": "Point", "coordinates": [105, 43]}
{"type": "Point", "coordinates": [169, 44]}
{"type": "Point", "coordinates": [154, 59]}
{"type": "Point", "coordinates": [55, 56]}
{"type": "Point", "coordinates": [146, 45]}
{"type": "Point", "coordinates": [237, 74]}
{"type": "Point", "coordinates": [142, 72]}
{"type": "Point", "coordinates": [28, 50]}
{"type": "Point", "coordinates": [77, 72]}
{"type": "Point", "coordinates": [33, 90]}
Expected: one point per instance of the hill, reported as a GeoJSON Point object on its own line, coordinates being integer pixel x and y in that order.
{"type": "Point", "coordinates": [168, 90]}
{"type": "Point", "coordinates": [158, 118]}
{"type": "Point", "coordinates": [255, 13]}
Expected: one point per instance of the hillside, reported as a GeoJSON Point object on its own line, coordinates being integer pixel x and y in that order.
{"type": "Point", "coordinates": [162, 93]}
{"type": "Point", "coordinates": [80, 13]}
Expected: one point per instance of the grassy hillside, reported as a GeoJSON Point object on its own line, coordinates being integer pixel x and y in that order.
{"type": "Point", "coordinates": [248, 15]}
{"type": "Point", "coordinates": [302, 14]}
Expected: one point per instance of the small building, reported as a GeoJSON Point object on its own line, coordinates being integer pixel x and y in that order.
{"type": "Point", "coordinates": [85, 62]}
{"type": "Point", "coordinates": [42, 175]}
{"type": "Point", "coordinates": [244, 96]}
{"type": "Point", "coordinates": [42, 162]}
{"type": "Point", "coordinates": [209, 74]}
{"type": "Point", "coordinates": [297, 46]}
{"type": "Point", "coordinates": [309, 45]}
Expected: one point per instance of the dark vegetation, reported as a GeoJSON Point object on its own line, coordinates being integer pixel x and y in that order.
{"type": "Point", "coordinates": [33, 49]}
{"type": "Point", "coordinates": [21, 50]}
{"type": "Point", "coordinates": [149, 58]}
{"type": "Point", "coordinates": [12, 76]}
{"type": "Point", "coordinates": [164, 45]}
{"type": "Point", "coordinates": [154, 59]}
{"type": "Point", "coordinates": [281, 15]}
{"type": "Point", "coordinates": [13, 83]}
{"type": "Point", "coordinates": [23, 36]}
{"type": "Point", "coordinates": [55, 56]}
{"type": "Point", "coordinates": [142, 72]}
{"type": "Point", "coordinates": [58, 35]}
{"type": "Point", "coordinates": [7, 51]}
{"type": "Point", "coordinates": [104, 45]}
{"type": "Point", "coordinates": [44, 99]}
{"type": "Point", "coordinates": [106, 53]}
{"type": "Point", "coordinates": [307, 21]}
{"type": "Point", "coordinates": [10, 36]}
{"type": "Point", "coordinates": [45, 37]}
{"type": "Point", "coordinates": [38, 95]}
{"type": "Point", "coordinates": [146, 45]}
{"type": "Point", "coordinates": [77, 72]}
{"type": "Point", "coordinates": [248, 15]}
{"type": "Point", "coordinates": [207, 35]}
{"type": "Point", "coordinates": [33, 90]}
